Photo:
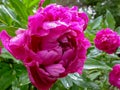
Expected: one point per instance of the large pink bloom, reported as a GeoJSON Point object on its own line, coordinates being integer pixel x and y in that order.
{"type": "Point", "coordinates": [53, 46]}
{"type": "Point", "coordinates": [107, 40]}
{"type": "Point", "coordinates": [114, 76]}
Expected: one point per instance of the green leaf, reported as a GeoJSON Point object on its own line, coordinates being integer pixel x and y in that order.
{"type": "Point", "coordinates": [75, 87]}
{"type": "Point", "coordinates": [4, 17]}
{"type": "Point", "coordinates": [23, 79]}
{"type": "Point", "coordinates": [52, 1]}
{"type": "Point", "coordinates": [94, 24]}
{"type": "Point", "coordinates": [72, 79]}
{"type": "Point", "coordinates": [65, 83]}
{"type": "Point", "coordinates": [10, 29]}
{"type": "Point", "coordinates": [77, 80]}
{"type": "Point", "coordinates": [46, 3]}
{"type": "Point", "coordinates": [95, 64]}
{"type": "Point", "coordinates": [20, 9]}
{"type": "Point", "coordinates": [118, 30]}
{"type": "Point", "coordinates": [94, 53]}
{"type": "Point", "coordinates": [33, 3]}
{"type": "Point", "coordinates": [10, 13]}
{"type": "Point", "coordinates": [94, 75]}
{"type": "Point", "coordinates": [6, 55]}
{"type": "Point", "coordinates": [58, 86]}
{"type": "Point", "coordinates": [13, 73]}
{"type": "Point", "coordinates": [6, 76]}
{"type": "Point", "coordinates": [110, 21]}
{"type": "Point", "coordinates": [16, 86]}
{"type": "Point", "coordinates": [89, 35]}
{"type": "Point", "coordinates": [6, 80]}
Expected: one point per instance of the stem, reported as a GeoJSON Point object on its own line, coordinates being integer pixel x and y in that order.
{"type": "Point", "coordinates": [41, 3]}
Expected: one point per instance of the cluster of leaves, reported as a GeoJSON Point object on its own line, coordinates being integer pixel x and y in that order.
{"type": "Point", "coordinates": [100, 6]}
{"type": "Point", "coordinates": [14, 14]}
{"type": "Point", "coordinates": [13, 74]}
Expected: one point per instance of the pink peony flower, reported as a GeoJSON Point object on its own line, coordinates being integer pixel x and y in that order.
{"type": "Point", "coordinates": [107, 40]}
{"type": "Point", "coordinates": [53, 45]}
{"type": "Point", "coordinates": [114, 76]}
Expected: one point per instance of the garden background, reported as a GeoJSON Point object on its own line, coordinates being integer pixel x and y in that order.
{"type": "Point", "coordinates": [102, 14]}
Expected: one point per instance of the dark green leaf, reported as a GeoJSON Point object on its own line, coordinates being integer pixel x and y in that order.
{"type": "Point", "coordinates": [110, 22]}
{"type": "Point", "coordinates": [118, 30]}
{"type": "Point", "coordinates": [96, 64]}
{"type": "Point", "coordinates": [94, 24]}
{"type": "Point", "coordinates": [6, 76]}
{"type": "Point", "coordinates": [46, 3]}
{"type": "Point", "coordinates": [20, 9]}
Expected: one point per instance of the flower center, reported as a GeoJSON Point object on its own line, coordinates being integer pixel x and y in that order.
{"type": "Point", "coordinates": [66, 43]}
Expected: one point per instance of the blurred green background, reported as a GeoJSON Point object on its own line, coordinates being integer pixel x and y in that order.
{"type": "Point", "coordinates": [102, 13]}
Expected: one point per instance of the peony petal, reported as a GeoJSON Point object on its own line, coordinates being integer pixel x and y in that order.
{"type": "Point", "coordinates": [54, 24]}
{"type": "Point", "coordinates": [20, 31]}
{"type": "Point", "coordinates": [5, 38]}
{"type": "Point", "coordinates": [85, 17]}
{"type": "Point", "coordinates": [39, 77]}
{"type": "Point", "coordinates": [35, 25]}
{"type": "Point", "coordinates": [68, 57]}
{"type": "Point", "coordinates": [49, 57]}
{"type": "Point", "coordinates": [55, 69]}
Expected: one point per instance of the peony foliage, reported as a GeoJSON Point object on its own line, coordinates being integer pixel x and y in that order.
{"type": "Point", "coordinates": [57, 47]}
